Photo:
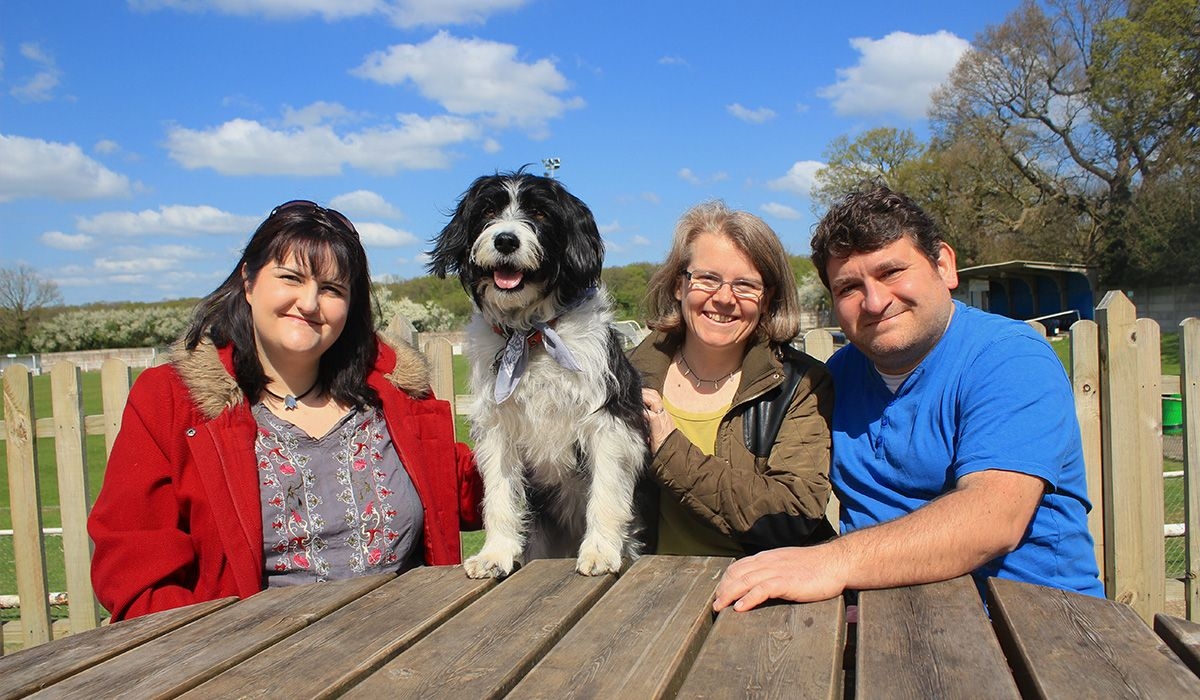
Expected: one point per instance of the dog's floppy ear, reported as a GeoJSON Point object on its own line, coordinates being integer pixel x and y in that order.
{"type": "Point", "coordinates": [450, 247]}
{"type": "Point", "coordinates": [583, 254]}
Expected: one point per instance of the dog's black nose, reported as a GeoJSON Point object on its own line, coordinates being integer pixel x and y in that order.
{"type": "Point", "coordinates": [506, 242]}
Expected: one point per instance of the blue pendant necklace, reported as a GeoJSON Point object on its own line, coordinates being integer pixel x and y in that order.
{"type": "Point", "coordinates": [290, 401]}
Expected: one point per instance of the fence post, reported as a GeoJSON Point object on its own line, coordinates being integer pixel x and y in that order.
{"type": "Point", "coordinates": [819, 343]}
{"type": "Point", "coordinates": [1085, 380]}
{"type": "Point", "coordinates": [28, 542]}
{"type": "Point", "coordinates": [115, 380]}
{"type": "Point", "coordinates": [70, 449]}
{"type": "Point", "coordinates": [1131, 532]}
{"type": "Point", "coordinates": [1189, 389]}
{"type": "Point", "coordinates": [441, 369]}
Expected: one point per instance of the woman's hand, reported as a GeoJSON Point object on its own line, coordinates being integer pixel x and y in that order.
{"type": "Point", "coordinates": [660, 422]}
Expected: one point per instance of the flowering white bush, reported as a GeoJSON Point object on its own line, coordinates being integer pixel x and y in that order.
{"type": "Point", "coordinates": [427, 317]}
{"type": "Point", "coordinates": [129, 327]}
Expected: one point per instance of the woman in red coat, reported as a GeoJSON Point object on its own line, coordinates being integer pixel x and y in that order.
{"type": "Point", "coordinates": [284, 443]}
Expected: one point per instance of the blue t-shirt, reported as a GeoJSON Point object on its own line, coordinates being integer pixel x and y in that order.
{"type": "Point", "coordinates": [990, 395]}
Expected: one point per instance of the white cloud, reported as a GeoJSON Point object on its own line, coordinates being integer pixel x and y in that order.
{"type": "Point", "coordinates": [106, 147]}
{"type": "Point", "coordinates": [692, 178]}
{"type": "Point", "coordinates": [376, 234]}
{"type": "Point", "coordinates": [247, 147]}
{"type": "Point", "coordinates": [364, 203]}
{"type": "Point", "coordinates": [66, 241]}
{"type": "Point", "coordinates": [40, 86]}
{"type": "Point", "coordinates": [672, 61]}
{"type": "Point", "coordinates": [640, 240]}
{"type": "Point", "coordinates": [799, 178]}
{"type": "Point", "coordinates": [315, 114]}
{"type": "Point", "coordinates": [781, 211]}
{"type": "Point", "coordinates": [172, 220]}
{"type": "Point", "coordinates": [475, 77]}
{"type": "Point", "coordinates": [607, 229]}
{"type": "Point", "coordinates": [37, 168]}
{"type": "Point", "coordinates": [895, 74]}
{"type": "Point", "coordinates": [402, 13]}
{"type": "Point", "coordinates": [752, 116]}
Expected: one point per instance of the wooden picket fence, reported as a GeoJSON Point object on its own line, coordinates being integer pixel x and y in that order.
{"type": "Point", "coordinates": [1115, 373]}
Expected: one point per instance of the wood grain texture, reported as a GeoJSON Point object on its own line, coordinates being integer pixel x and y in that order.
{"type": "Point", "coordinates": [38, 667]}
{"type": "Point", "coordinates": [489, 645]}
{"type": "Point", "coordinates": [773, 651]}
{"type": "Point", "coordinates": [173, 663]}
{"type": "Point", "coordinates": [1065, 645]}
{"type": "Point", "coordinates": [929, 641]}
{"type": "Point", "coordinates": [639, 640]}
{"type": "Point", "coordinates": [329, 656]}
{"type": "Point", "coordinates": [1182, 636]}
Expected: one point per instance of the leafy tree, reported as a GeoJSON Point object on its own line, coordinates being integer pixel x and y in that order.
{"type": "Point", "coordinates": [24, 299]}
{"type": "Point", "coordinates": [880, 154]}
{"type": "Point", "coordinates": [627, 285]}
{"type": "Point", "coordinates": [1085, 101]}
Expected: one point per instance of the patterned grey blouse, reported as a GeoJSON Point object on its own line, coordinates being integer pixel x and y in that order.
{"type": "Point", "coordinates": [337, 506]}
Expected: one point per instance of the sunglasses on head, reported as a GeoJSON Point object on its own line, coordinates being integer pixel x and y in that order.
{"type": "Point", "coordinates": [333, 214]}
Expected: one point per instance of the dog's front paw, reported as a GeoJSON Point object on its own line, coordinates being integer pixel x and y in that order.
{"type": "Point", "coordinates": [488, 566]}
{"type": "Point", "coordinates": [598, 560]}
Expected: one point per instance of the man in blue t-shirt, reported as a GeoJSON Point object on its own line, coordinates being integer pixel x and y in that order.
{"type": "Point", "coordinates": [955, 444]}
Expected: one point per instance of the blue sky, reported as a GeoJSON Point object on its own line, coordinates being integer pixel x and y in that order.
{"type": "Point", "coordinates": [141, 142]}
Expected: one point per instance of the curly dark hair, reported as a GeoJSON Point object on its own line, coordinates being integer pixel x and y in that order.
{"type": "Point", "coordinates": [324, 242]}
{"type": "Point", "coordinates": [869, 219]}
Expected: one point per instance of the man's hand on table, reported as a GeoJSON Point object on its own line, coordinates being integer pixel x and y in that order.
{"type": "Point", "coordinates": [798, 574]}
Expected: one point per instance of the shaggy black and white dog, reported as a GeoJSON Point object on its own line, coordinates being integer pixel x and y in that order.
{"type": "Point", "coordinates": [557, 421]}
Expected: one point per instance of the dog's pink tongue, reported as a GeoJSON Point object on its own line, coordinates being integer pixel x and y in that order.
{"type": "Point", "coordinates": [507, 280]}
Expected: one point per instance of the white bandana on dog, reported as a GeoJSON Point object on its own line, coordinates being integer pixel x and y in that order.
{"type": "Point", "coordinates": [514, 359]}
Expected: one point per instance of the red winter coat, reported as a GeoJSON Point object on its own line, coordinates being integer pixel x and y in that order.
{"type": "Point", "coordinates": [179, 520]}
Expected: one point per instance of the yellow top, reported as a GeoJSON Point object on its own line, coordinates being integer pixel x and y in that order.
{"type": "Point", "coordinates": [680, 532]}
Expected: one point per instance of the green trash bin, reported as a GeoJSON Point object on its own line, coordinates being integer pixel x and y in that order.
{"type": "Point", "coordinates": [1172, 414]}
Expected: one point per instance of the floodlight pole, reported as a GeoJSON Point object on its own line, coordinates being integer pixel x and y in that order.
{"type": "Point", "coordinates": [551, 165]}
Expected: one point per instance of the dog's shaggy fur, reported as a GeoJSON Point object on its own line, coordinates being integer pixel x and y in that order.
{"type": "Point", "coordinates": [560, 457]}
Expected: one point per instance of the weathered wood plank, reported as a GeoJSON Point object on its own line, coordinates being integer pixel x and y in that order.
{"type": "Point", "coordinates": [353, 641]}
{"type": "Point", "coordinates": [441, 369]}
{"type": "Point", "coordinates": [774, 651]}
{"type": "Point", "coordinates": [1189, 389]}
{"type": "Point", "coordinates": [42, 666]}
{"type": "Point", "coordinates": [1150, 446]}
{"type": "Point", "coordinates": [639, 640]}
{"type": "Point", "coordinates": [1182, 636]}
{"type": "Point", "coordinates": [1127, 533]}
{"type": "Point", "coordinates": [173, 663]}
{"type": "Point", "coordinates": [115, 380]}
{"type": "Point", "coordinates": [1066, 645]}
{"type": "Point", "coordinates": [930, 641]}
{"type": "Point", "coordinates": [1085, 381]}
{"type": "Point", "coordinates": [24, 491]}
{"type": "Point", "coordinates": [488, 646]}
{"type": "Point", "coordinates": [70, 452]}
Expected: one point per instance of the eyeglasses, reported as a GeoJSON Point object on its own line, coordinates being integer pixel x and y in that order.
{"type": "Point", "coordinates": [711, 283]}
{"type": "Point", "coordinates": [333, 214]}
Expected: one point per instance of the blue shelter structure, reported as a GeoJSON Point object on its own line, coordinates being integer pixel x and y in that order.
{"type": "Point", "coordinates": [1055, 294]}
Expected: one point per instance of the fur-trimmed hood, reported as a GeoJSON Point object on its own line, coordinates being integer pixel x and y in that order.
{"type": "Point", "coordinates": [207, 373]}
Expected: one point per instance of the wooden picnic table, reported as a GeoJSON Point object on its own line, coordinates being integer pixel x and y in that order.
{"type": "Point", "coordinates": [547, 632]}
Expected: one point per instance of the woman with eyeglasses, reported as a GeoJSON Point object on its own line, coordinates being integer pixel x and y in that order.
{"type": "Point", "coordinates": [720, 380]}
{"type": "Point", "coordinates": [284, 442]}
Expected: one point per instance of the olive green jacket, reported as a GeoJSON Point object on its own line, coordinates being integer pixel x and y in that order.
{"type": "Point", "coordinates": [759, 502]}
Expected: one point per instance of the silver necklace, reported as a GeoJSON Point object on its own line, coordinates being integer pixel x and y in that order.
{"type": "Point", "coordinates": [696, 380]}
